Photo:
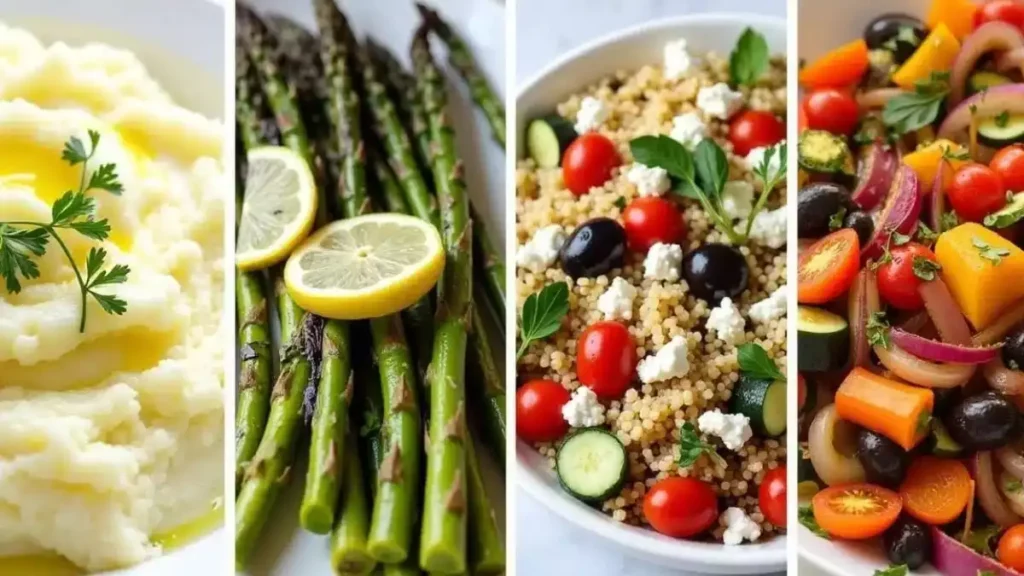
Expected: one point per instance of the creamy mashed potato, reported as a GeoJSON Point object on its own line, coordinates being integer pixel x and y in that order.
{"type": "Point", "coordinates": [111, 436]}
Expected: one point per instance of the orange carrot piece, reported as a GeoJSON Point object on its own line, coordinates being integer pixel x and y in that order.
{"type": "Point", "coordinates": [936, 490]}
{"type": "Point", "coordinates": [898, 411]}
{"type": "Point", "coordinates": [840, 68]}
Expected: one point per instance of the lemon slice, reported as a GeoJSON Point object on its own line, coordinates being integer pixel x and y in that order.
{"type": "Point", "coordinates": [365, 267]}
{"type": "Point", "coordinates": [278, 210]}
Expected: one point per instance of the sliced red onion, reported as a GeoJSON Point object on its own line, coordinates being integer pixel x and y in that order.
{"type": "Point", "coordinates": [988, 104]}
{"type": "Point", "coordinates": [951, 557]}
{"type": "Point", "coordinates": [899, 213]}
{"type": "Point", "coordinates": [1002, 326]}
{"type": "Point", "coordinates": [1010, 60]}
{"type": "Point", "coordinates": [831, 444]}
{"type": "Point", "coordinates": [945, 312]}
{"type": "Point", "coordinates": [922, 372]}
{"type": "Point", "coordinates": [863, 303]}
{"type": "Point", "coordinates": [941, 351]}
{"type": "Point", "coordinates": [875, 173]}
{"type": "Point", "coordinates": [1014, 497]}
{"type": "Point", "coordinates": [1012, 460]}
{"type": "Point", "coordinates": [989, 496]}
{"type": "Point", "coordinates": [1002, 378]}
{"type": "Point", "coordinates": [877, 98]}
{"type": "Point", "coordinates": [916, 323]}
{"type": "Point", "coordinates": [938, 197]}
{"type": "Point", "coordinates": [989, 37]}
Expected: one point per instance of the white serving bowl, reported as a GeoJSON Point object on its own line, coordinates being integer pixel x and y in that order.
{"type": "Point", "coordinates": [182, 45]}
{"type": "Point", "coordinates": [631, 49]}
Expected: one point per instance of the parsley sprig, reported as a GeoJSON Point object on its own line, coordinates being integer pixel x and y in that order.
{"type": "Point", "coordinates": [691, 446]}
{"type": "Point", "coordinates": [22, 242]}
{"type": "Point", "coordinates": [542, 314]}
{"type": "Point", "coordinates": [878, 330]}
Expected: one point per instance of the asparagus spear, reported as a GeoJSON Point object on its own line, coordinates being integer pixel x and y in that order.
{"type": "Point", "coordinates": [443, 535]}
{"type": "Point", "coordinates": [490, 393]}
{"type": "Point", "coordinates": [486, 544]}
{"type": "Point", "coordinates": [348, 540]}
{"type": "Point", "coordinates": [462, 60]}
{"type": "Point", "coordinates": [491, 266]}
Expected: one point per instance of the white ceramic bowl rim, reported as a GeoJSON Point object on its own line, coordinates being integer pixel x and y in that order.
{"type": "Point", "coordinates": [642, 540]}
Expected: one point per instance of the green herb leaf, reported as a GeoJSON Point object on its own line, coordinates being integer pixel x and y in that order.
{"type": "Point", "coordinates": [925, 235]}
{"type": "Point", "coordinates": [105, 178]}
{"type": "Point", "coordinates": [663, 152]}
{"type": "Point", "coordinates": [925, 268]}
{"type": "Point", "coordinates": [542, 314]}
{"type": "Point", "coordinates": [1013, 486]}
{"type": "Point", "coordinates": [980, 540]}
{"type": "Point", "coordinates": [711, 167]}
{"type": "Point", "coordinates": [17, 247]}
{"type": "Point", "coordinates": [756, 363]}
{"type": "Point", "coordinates": [835, 221]}
{"type": "Point", "coordinates": [899, 239]}
{"type": "Point", "coordinates": [949, 220]}
{"type": "Point", "coordinates": [70, 207]}
{"type": "Point", "coordinates": [749, 58]}
{"type": "Point", "coordinates": [691, 446]}
{"type": "Point", "coordinates": [956, 153]}
{"type": "Point", "coordinates": [1002, 119]}
{"type": "Point", "coordinates": [913, 110]}
{"type": "Point", "coordinates": [772, 178]}
{"type": "Point", "coordinates": [805, 515]}
{"type": "Point", "coordinates": [993, 255]}
{"type": "Point", "coordinates": [893, 570]}
{"type": "Point", "coordinates": [620, 203]}
{"type": "Point", "coordinates": [878, 330]}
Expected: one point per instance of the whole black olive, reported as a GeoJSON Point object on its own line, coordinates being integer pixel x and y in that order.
{"type": "Point", "coordinates": [816, 204]}
{"type": "Point", "coordinates": [884, 461]}
{"type": "Point", "coordinates": [983, 422]}
{"type": "Point", "coordinates": [716, 271]}
{"type": "Point", "coordinates": [908, 542]}
{"type": "Point", "coordinates": [900, 34]}
{"type": "Point", "coordinates": [593, 248]}
{"type": "Point", "coordinates": [1013, 350]}
{"type": "Point", "coordinates": [862, 223]}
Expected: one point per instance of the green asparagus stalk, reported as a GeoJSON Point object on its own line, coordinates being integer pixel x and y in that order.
{"type": "Point", "coordinates": [369, 407]}
{"type": "Point", "coordinates": [462, 60]}
{"type": "Point", "coordinates": [348, 540]}
{"type": "Point", "coordinates": [489, 393]}
{"type": "Point", "coordinates": [491, 265]}
{"type": "Point", "coordinates": [443, 535]}
{"type": "Point", "coordinates": [486, 544]}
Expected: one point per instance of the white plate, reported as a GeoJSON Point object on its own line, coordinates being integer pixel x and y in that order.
{"type": "Point", "coordinates": [176, 41]}
{"type": "Point", "coordinates": [626, 50]}
{"type": "Point", "coordinates": [285, 548]}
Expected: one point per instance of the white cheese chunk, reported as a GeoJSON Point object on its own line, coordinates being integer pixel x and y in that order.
{"type": "Point", "coordinates": [769, 228]}
{"type": "Point", "coordinates": [737, 199]}
{"type": "Point", "coordinates": [726, 320]}
{"type": "Point", "coordinates": [688, 129]}
{"type": "Point", "coordinates": [669, 362]}
{"type": "Point", "coordinates": [541, 251]}
{"type": "Point", "coordinates": [733, 429]}
{"type": "Point", "coordinates": [678, 61]}
{"type": "Point", "coordinates": [583, 409]}
{"type": "Point", "coordinates": [663, 262]}
{"type": "Point", "coordinates": [771, 308]}
{"type": "Point", "coordinates": [648, 181]}
{"type": "Point", "coordinates": [755, 157]}
{"type": "Point", "coordinates": [719, 101]}
{"type": "Point", "coordinates": [591, 114]}
{"type": "Point", "coordinates": [617, 301]}
{"type": "Point", "coordinates": [738, 527]}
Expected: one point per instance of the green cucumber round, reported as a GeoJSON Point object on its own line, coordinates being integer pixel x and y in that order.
{"type": "Point", "coordinates": [591, 464]}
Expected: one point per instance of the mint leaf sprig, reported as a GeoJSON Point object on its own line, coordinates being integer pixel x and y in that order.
{"type": "Point", "coordinates": [21, 242]}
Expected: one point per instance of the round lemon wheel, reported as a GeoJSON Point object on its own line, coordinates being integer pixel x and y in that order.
{"type": "Point", "coordinates": [365, 267]}
{"type": "Point", "coordinates": [278, 209]}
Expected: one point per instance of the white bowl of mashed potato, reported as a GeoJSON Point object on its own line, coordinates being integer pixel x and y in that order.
{"type": "Point", "coordinates": [112, 426]}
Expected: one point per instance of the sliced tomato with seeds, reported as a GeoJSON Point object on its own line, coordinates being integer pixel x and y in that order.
{"type": "Point", "coordinates": [856, 511]}
{"type": "Point", "coordinates": [827, 269]}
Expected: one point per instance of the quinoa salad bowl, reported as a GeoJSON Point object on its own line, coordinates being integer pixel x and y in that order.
{"type": "Point", "coordinates": [650, 291]}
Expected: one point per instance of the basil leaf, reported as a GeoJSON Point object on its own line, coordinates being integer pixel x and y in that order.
{"type": "Point", "coordinates": [749, 58]}
{"type": "Point", "coordinates": [542, 314]}
{"type": "Point", "coordinates": [685, 189]}
{"type": "Point", "coordinates": [756, 363]}
{"type": "Point", "coordinates": [894, 570]}
{"type": "Point", "coordinates": [806, 517]}
{"type": "Point", "coordinates": [711, 167]}
{"type": "Point", "coordinates": [663, 152]}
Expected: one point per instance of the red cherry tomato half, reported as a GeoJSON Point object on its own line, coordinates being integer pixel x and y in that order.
{"type": "Point", "coordinates": [897, 282]}
{"type": "Point", "coordinates": [754, 129]}
{"type": "Point", "coordinates": [606, 359]}
{"type": "Point", "coordinates": [1009, 11]}
{"type": "Point", "coordinates": [680, 507]}
{"type": "Point", "coordinates": [539, 411]}
{"type": "Point", "coordinates": [1009, 164]}
{"type": "Point", "coordinates": [650, 220]}
{"type": "Point", "coordinates": [976, 191]}
{"type": "Point", "coordinates": [588, 162]}
{"type": "Point", "coordinates": [771, 496]}
{"type": "Point", "coordinates": [1011, 548]}
{"type": "Point", "coordinates": [832, 110]}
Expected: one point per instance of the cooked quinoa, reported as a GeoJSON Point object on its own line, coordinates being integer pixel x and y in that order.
{"type": "Point", "coordinates": [649, 416]}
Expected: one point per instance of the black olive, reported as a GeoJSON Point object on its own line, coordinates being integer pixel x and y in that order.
{"type": "Point", "coordinates": [901, 34]}
{"type": "Point", "coordinates": [862, 223]}
{"type": "Point", "coordinates": [716, 271]}
{"type": "Point", "coordinates": [816, 204]}
{"type": "Point", "coordinates": [983, 422]}
{"type": "Point", "coordinates": [884, 461]}
{"type": "Point", "coordinates": [1013, 349]}
{"type": "Point", "coordinates": [593, 248]}
{"type": "Point", "coordinates": [908, 542]}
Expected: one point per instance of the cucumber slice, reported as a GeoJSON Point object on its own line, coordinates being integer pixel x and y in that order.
{"type": "Point", "coordinates": [821, 151]}
{"type": "Point", "coordinates": [547, 138]}
{"type": "Point", "coordinates": [591, 464]}
{"type": "Point", "coordinates": [764, 402]}
{"type": "Point", "coordinates": [940, 443]}
{"type": "Point", "coordinates": [823, 339]}
{"type": "Point", "coordinates": [983, 80]}
{"type": "Point", "coordinates": [1001, 130]}
{"type": "Point", "coordinates": [1012, 213]}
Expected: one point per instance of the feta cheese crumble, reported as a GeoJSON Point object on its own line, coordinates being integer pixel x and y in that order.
{"type": "Point", "coordinates": [583, 409]}
{"type": "Point", "coordinates": [727, 321]}
{"type": "Point", "coordinates": [769, 228]}
{"type": "Point", "coordinates": [733, 429]}
{"type": "Point", "coordinates": [737, 199]}
{"type": "Point", "coordinates": [663, 262]}
{"type": "Point", "coordinates": [772, 307]}
{"type": "Point", "coordinates": [669, 362]}
{"type": "Point", "coordinates": [617, 301]}
{"type": "Point", "coordinates": [591, 114]}
{"type": "Point", "coordinates": [648, 181]}
{"type": "Point", "coordinates": [541, 251]}
{"type": "Point", "coordinates": [677, 60]}
{"type": "Point", "coordinates": [719, 101]}
{"type": "Point", "coordinates": [738, 527]}
{"type": "Point", "coordinates": [755, 157]}
{"type": "Point", "coordinates": [688, 129]}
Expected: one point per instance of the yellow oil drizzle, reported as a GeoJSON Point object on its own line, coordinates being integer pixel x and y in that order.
{"type": "Point", "coordinates": [193, 529]}
{"type": "Point", "coordinates": [39, 565]}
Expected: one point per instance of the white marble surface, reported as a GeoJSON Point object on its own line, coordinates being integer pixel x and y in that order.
{"type": "Point", "coordinates": [545, 544]}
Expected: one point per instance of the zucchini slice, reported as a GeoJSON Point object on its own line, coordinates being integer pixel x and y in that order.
{"type": "Point", "coordinates": [823, 339]}
{"type": "Point", "coordinates": [983, 80]}
{"type": "Point", "coordinates": [821, 151]}
{"type": "Point", "coordinates": [764, 402]}
{"type": "Point", "coordinates": [940, 443]}
{"type": "Point", "coordinates": [1009, 215]}
{"type": "Point", "coordinates": [547, 138]}
{"type": "Point", "coordinates": [1001, 130]}
{"type": "Point", "coordinates": [591, 464]}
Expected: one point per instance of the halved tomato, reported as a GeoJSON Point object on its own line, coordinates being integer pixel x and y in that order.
{"type": "Point", "coordinates": [856, 511]}
{"type": "Point", "coordinates": [827, 269]}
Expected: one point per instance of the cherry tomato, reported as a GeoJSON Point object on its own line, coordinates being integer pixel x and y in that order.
{"type": "Point", "coordinates": [771, 496]}
{"type": "Point", "coordinates": [827, 268]}
{"type": "Point", "coordinates": [606, 359]}
{"type": "Point", "coordinates": [651, 220]}
{"type": "Point", "coordinates": [832, 110]}
{"type": "Point", "coordinates": [754, 129]}
{"type": "Point", "coordinates": [588, 162]}
{"type": "Point", "coordinates": [856, 511]}
{"type": "Point", "coordinates": [1008, 11]}
{"type": "Point", "coordinates": [539, 411]}
{"type": "Point", "coordinates": [1009, 164]}
{"type": "Point", "coordinates": [1011, 548]}
{"type": "Point", "coordinates": [976, 191]}
{"type": "Point", "coordinates": [681, 507]}
{"type": "Point", "coordinates": [897, 283]}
